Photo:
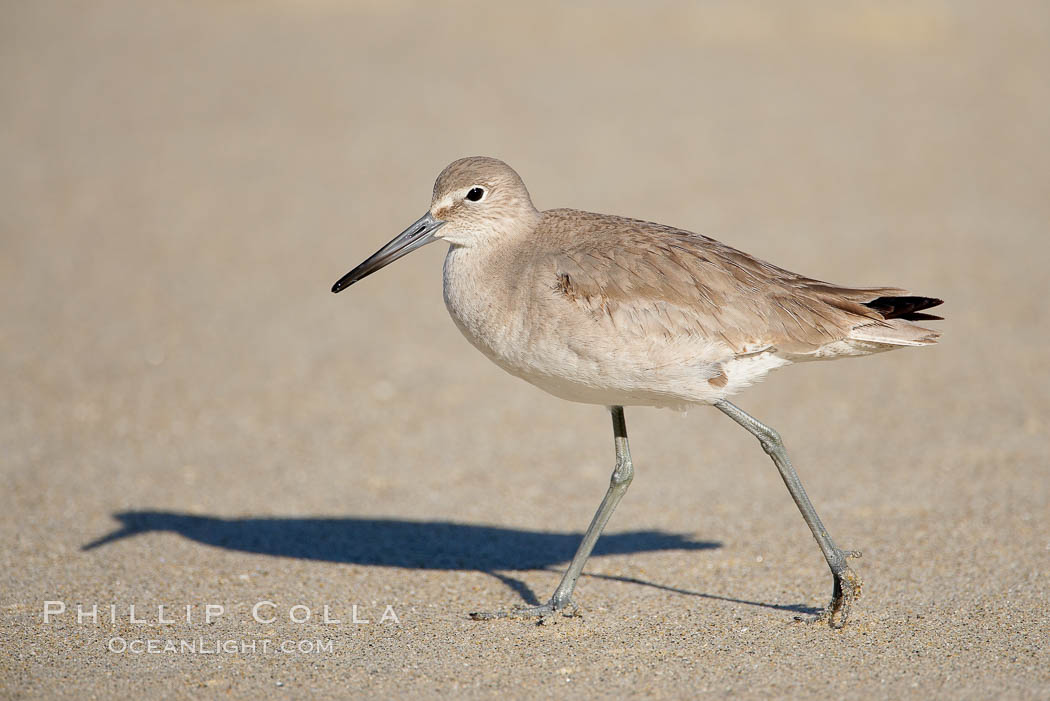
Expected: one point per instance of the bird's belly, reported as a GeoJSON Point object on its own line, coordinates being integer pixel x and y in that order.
{"type": "Point", "coordinates": [603, 371]}
{"type": "Point", "coordinates": [617, 373]}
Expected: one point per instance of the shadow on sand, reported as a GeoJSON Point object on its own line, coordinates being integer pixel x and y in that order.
{"type": "Point", "coordinates": [410, 544]}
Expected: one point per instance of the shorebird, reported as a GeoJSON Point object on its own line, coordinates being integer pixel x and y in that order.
{"type": "Point", "coordinates": [607, 310]}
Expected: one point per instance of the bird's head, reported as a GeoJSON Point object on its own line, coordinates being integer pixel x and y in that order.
{"type": "Point", "coordinates": [476, 200]}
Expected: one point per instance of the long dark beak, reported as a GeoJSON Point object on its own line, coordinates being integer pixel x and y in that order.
{"type": "Point", "coordinates": [419, 234]}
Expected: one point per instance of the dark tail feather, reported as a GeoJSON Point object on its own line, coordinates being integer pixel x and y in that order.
{"type": "Point", "coordinates": [908, 308]}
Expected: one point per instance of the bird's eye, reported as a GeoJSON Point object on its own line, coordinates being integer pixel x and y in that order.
{"type": "Point", "coordinates": [475, 194]}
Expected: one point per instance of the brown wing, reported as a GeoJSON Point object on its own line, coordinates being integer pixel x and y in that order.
{"type": "Point", "coordinates": [650, 278]}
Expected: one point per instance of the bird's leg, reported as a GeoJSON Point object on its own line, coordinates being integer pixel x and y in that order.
{"type": "Point", "coordinates": [847, 583]}
{"type": "Point", "coordinates": [621, 478]}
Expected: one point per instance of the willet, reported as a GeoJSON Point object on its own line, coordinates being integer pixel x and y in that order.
{"type": "Point", "coordinates": [606, 310]}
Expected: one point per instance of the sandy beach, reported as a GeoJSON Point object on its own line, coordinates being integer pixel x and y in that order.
{"type": "Point", "coordinates": [250, 488]}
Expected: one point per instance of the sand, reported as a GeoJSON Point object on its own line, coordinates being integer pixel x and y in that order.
{"type": "Point", "coordinates": [183, 181]}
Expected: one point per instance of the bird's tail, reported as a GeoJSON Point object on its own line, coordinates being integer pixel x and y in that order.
{"type": "Point", "coordinates": [896, 328]}
{"type": "Point", "coordinates": [905, 307]}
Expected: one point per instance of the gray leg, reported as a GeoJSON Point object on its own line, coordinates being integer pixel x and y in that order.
{"type": "Point", "coordinates": [622, 475]}
{"type": "Point", "coordinates": [847, 583]}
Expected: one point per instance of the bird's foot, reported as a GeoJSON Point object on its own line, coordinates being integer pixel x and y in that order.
{"type": "Point", "coordinates": [543, 612]}
{"type": "Point", "coordinates": [847, 590]}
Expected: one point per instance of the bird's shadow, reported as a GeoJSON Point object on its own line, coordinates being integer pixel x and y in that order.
{"type": "Point", "coordinates": [428, 545]}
